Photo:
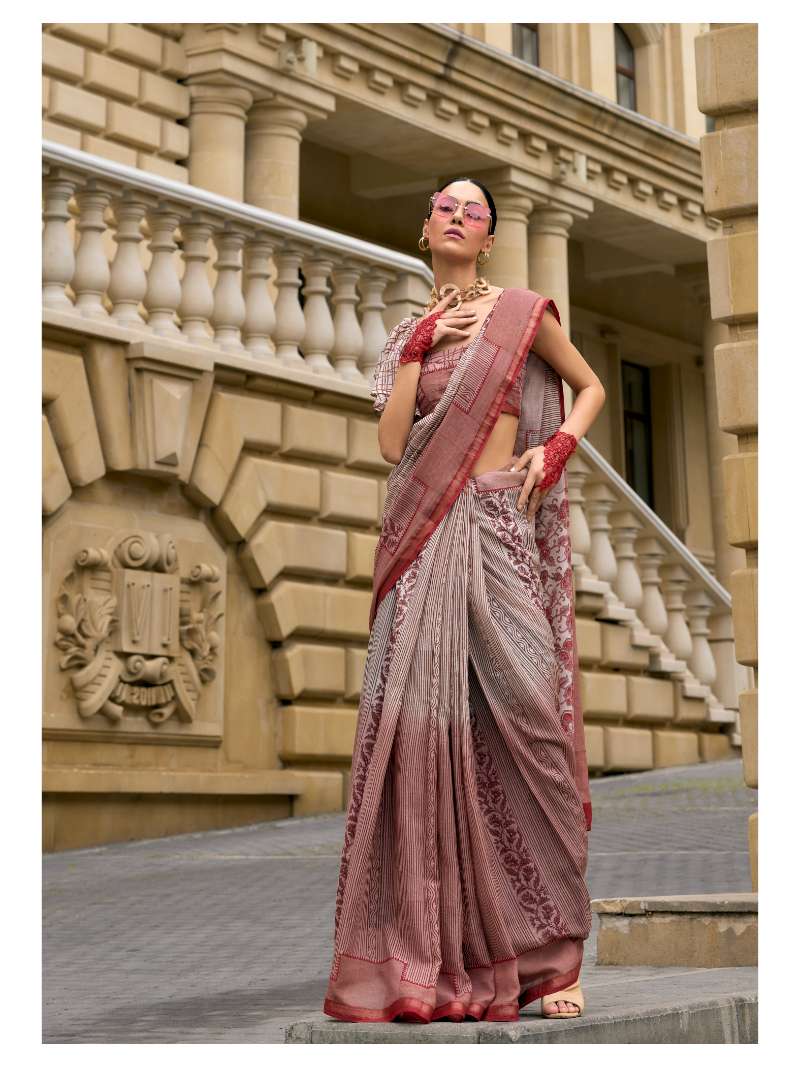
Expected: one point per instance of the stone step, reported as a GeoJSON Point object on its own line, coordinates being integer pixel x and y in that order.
{"type": "Point", "coordinates": [690, 930]}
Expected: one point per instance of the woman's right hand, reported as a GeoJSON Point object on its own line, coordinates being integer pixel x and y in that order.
{"type": "Point", "coordinates": [452, 323]}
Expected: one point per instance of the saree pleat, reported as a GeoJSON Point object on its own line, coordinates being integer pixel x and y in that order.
{"type": "Point", "coordinates": [462, 886]}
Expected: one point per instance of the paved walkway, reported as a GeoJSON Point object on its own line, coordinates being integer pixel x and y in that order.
{"type": "Point", "coordinates": [227, 936]}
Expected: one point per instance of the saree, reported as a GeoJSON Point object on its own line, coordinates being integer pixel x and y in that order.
{"type": "Point", "coordinates": [461, 888]}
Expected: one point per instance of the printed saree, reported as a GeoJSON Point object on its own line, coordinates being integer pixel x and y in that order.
{"type": "Point", "coordinates": [462, 886]}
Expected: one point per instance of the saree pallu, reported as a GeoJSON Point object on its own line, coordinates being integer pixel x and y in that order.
{"type": "Point", "coordinates": [462, 887]}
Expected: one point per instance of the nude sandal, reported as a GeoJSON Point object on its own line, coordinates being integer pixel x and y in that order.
{"type": "Point", "coordinates": [572, 993]}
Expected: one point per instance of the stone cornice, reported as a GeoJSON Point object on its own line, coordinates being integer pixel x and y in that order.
{"type": "Point", "coordinates": [477, 97]}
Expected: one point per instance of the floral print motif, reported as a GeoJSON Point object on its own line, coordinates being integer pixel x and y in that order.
{"type": "Point", "coordinates": [517, 862]}
{"type": "Point", "coordinates": [555, 554]}
{"type": "Point", "coordinates": [513, 531]}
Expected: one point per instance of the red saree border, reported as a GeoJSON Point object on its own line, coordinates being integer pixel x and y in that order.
{"type": "Point", "coordinates": [424, 1013]}
{"type": "Point", "coordinates": [539, 306]}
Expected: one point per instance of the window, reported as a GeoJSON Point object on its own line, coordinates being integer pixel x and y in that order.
{"type": "Point", "coordinates": [626, 74]}
{"type": "Point", "coordinates": [638, 430]}
{"type": "Point", "coordinates": [525, 41]}
{"type": "Point", "coordinates": [710, 123]}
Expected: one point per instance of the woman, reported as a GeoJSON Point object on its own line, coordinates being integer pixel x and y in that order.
{"type": "Point", "coordinates": [462, 888]}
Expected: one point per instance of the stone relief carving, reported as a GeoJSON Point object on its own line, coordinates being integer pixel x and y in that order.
{"type": "Point", "coordinates": [143, 638]}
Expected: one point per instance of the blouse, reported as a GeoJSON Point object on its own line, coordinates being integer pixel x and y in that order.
{"type": "Point", "coordinates": [434, 373]}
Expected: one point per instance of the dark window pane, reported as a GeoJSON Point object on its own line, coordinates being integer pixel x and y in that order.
{"type": "Point", "coordinates": [623, 48]}
{"type": "Point", "coordinates": [626, 95]}
{"type": "Point", "coordinates": [634, 388]}
{"type": "Point", "coordinates": [525, 42]}
{"type": "Point", "coordinates": [638, 429]}
{"type": "Point", "coordinates": [638, 470]}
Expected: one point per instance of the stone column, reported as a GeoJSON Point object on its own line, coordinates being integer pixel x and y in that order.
{"type": "Point", "coordinates": [216, 145]}
{"type": "Point", "coordinates": [727, 88]}
{"type": "Point", "coordinates": [508, 265]}
{"type": "Point", "coordinates": [272, 156]}
{"type": "Point", "coordinates": [548, 267]}
{"type": "Point", "coordinates": [720, 444]}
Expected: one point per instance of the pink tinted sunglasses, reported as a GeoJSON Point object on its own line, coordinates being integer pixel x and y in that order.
{"type": "Point", "coordinates": [445, 205]}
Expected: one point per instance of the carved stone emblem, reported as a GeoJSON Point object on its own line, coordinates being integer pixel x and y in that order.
{"type": "Point", "coordinates": [142, 637]}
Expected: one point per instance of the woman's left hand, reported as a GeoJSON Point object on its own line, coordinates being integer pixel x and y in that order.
{"type": "Point", "coordinates": [533, 459]}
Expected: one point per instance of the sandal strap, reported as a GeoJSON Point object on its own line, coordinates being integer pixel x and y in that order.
{"type": "Point", "coordinates": [572, 993]}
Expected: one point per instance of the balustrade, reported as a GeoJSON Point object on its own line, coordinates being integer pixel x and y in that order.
{"type": "Point", "coordinates": [178, 262]}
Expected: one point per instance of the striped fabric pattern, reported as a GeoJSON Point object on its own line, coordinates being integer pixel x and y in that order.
{"type": "Point", "coordinates": [461, 890]}
{"type": "Point", "coordinates": [462, 883]}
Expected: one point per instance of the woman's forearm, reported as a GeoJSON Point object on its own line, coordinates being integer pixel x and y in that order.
{"type": "Point", "coordinates": [585, 408]}
{"type": "Point", "coordinates": [397, 417]}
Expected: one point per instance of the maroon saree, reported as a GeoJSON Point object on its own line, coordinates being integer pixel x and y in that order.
{"type": "Point", "coordinates": [462, 886]}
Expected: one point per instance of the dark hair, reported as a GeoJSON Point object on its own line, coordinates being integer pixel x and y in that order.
{"type": "Point", "coordinates": [484, 190]}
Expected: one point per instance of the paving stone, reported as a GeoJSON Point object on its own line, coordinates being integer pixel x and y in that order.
{"type": "Point", "coordinates": [227, 936]}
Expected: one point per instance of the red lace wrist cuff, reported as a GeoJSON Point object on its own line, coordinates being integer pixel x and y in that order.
{"type": "Point", "coordinates": [420, 340]}
{"type": "Point", "coordinates": [557, 450]}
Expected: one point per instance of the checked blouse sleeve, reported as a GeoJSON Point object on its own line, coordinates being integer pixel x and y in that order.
{"type": "Point", "coordinates": [386, 367]}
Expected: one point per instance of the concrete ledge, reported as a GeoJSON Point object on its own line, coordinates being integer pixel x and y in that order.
{"type": "Point", "coordinates": [730, 1020]}
{"type": "Point", "coordinates": [160, 780]}
{"type": "Point", "coordinates": [703, 930]}
{"type": "Point", "coordinates": [695, 902]}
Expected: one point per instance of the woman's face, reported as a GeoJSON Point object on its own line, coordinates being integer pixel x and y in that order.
{"type": "Point", "coordinates": [441, 230]}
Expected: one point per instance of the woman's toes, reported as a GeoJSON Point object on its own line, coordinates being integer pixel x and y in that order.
{"type": "Point", "coordinates": [559, 1006]}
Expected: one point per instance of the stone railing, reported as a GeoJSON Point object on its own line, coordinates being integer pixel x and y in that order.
{"type": "Point", "coordinates": [142, 252]}
{"type": "Point", "coordinates": [630, 568]}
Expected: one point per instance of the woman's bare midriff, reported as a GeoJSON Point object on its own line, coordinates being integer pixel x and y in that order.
{"type": "Point", "coordinates": [499, 448]}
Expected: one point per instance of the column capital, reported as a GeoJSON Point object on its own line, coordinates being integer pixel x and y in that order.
{"type": "Point", "coordinates": [208, 98]}
{"type": "Point", "coordinates": [551, 220]}
{"type": "Point", "coordinates": [512, 202]}
{"type": "Point", "coordinates": [279, 115]}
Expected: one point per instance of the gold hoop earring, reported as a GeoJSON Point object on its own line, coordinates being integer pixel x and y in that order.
{"type": "Point", "coordinates": [424, 246]}
{"type": "Point", "coordinates": [482, 256]}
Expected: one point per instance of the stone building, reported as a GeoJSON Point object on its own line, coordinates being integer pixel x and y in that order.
{"type": "Point", "coordinates": [231, 215]}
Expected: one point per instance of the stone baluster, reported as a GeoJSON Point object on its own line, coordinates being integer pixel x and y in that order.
{"type": "Point", "coordinates": [349, 342]}
{"type": "Point", "coordinates": [372, 286]}
{"type": "Point", "coordinates": [92, 274]}
{"type": "Point", "coordinates": [229, 310]}
{"type": "Point", "coordinates": [128, 280]}
{"type": "Point", "coordinates": [197, 299]}
{"type": "Point", "coordinates": [653, 611]}
{"type": "Point", "coordinates": [58, 247]}
{"type": "Point", "coordinates": [578, 470]}
{"type": "Point", "coordinates": [627, 584]}
{"type": "Point", "coordinates": [650, 553]}
{"type": "Point", "coordinates": [677, 636]}
{"type": "Point", "coordinates": [259, 320]}
{"type": "Point", "coordinates": [320, 333]}
{"type": "Point", "coordinates": [599, 500]}
{"type": "Point", "coordinates": [290, 323]}
{"type": "Point", "coordinates": [589, 589]}
{"type": "Point", "coordinates": [731, 677]}
{"type": "Point", "coordinates": [163, 293]}
{"type": "Point", "coordinates": [701, 659]}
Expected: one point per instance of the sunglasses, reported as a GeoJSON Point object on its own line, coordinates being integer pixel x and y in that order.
{"type": "Point", "coordinates": [445, 206]}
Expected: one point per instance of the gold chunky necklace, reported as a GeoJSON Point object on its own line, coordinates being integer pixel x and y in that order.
{"type": "Point", "coordinates": [479, 287]}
